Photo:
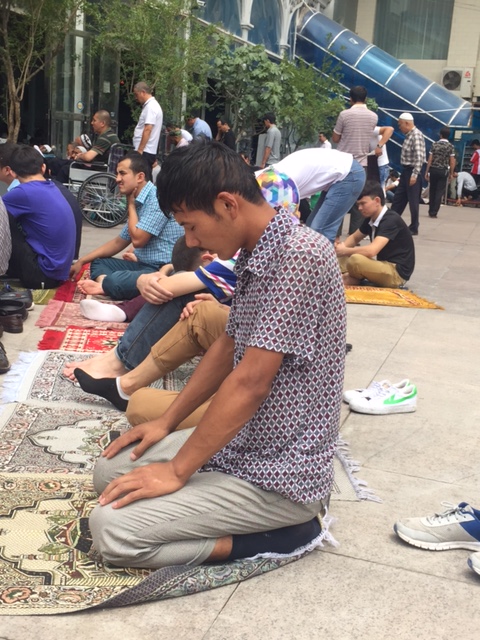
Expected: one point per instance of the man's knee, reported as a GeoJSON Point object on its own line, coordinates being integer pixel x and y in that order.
{"type": "Point", "coordinates": [102, 474]}
{"type": "Point", "coordinates": [148, 404]}
{"type": "Point", "coordinates": [355, 266]}
{"type": "Point", "coordinates": [109, 538]}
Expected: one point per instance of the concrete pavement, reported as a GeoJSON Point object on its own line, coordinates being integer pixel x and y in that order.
{"type": "Point", "coordinates": [372, 587]}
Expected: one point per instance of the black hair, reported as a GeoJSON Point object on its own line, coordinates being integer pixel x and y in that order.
{"type": "Point", "coordinates": [194, 175]}
{"type": "Point", "coordinates": [186, 258]}
{"type": "Point", "coordinates": [6, 150]}
{"type": "Point", "coordinates": [358, 94]}
{"type": "Point", "coordinates": [445, 133]}
{"type": "Point", "coordinates": [477, 142]}
{"type": "Point", "coordinates": [26, 161]}
{"type": "Point", "coordinates": [270, 116]}
{"type": "Point", "coordinates": [373, 189]}
{"type": "Point", "coordinates": [393, 173]}
{"type": "Point", "coordinates": [194, 113]}
{"type": "Point", "coordinates": [138, 163]}
{"type": "Point", "coordinates": [224, 120]}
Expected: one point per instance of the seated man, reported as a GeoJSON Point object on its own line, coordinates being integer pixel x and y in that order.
{"type": "Point", "coordinates": [151, 233]}
{"type": "Point", "coordinates": [99, 151]}
{"type": "Point", "coordinates": [42, 225]}
{"type": "Point", "coordinates": [389, 259]}
{"type": "Point", "coordinates": [466, 188]}
{"type": "Point", "coordinates": [268, 438]}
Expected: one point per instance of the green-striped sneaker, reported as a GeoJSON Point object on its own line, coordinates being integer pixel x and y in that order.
{"type": "Point", "coordinates": [387, 400]}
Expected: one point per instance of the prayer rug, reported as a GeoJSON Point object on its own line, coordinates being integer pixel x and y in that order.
{"type": "Point", "coordinates": [40, 296]}
{"type": "Point", "coordinates": [387, 297]}
{"type": "Point", "coordinates": [47, 565]}
{"type": "Point", "coordinates": [69, 291]}
{"type": "Point", "coordinates": [65, 314]}
{"type": "Point", "coordinates": [80, 339]}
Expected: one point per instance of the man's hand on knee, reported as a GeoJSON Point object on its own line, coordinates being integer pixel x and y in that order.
{"type": "Point", "coordinates": [148, 433]}
{"type": "Point", "coordinates": [150, 481]}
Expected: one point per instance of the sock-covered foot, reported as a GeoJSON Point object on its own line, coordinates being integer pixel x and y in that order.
{"type": "Point", "coordinates": [281, 541]}
{"type": "Point", "coordinates": [96, 310]}
{"type": "Point", "coordinates": [107, 388]}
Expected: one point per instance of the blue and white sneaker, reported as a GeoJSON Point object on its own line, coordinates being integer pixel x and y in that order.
{"type": "Point", "coordinates": [387, 399]}
{"type": "Point", "coordinates": [458, 527]}
{"type": "Point", "coordinates": [474, 562]}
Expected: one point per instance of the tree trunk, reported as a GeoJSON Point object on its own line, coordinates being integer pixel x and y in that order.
{"type": "Point", "coordinates": [13, 118]}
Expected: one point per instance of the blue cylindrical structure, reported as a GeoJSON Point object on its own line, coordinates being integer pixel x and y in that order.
{"type": "Point", "coordinates": [395, 87]}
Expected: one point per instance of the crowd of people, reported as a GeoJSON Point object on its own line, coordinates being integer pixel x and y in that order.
{"type": "Point", "coordinates": [217, 263]}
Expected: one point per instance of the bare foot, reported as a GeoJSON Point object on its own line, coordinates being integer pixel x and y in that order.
{"type": "Point", "coordinates": [105, 365]}
{"type": "Point", "coordinates": [90, 287]}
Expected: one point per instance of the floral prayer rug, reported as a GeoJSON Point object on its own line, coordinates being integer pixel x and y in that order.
{"type": "Point", "coordinates": [387, 297]}
{"type": "Point", "coordinates": [80, 339]}
{"type": "Point", "coordinates": [64, 314]}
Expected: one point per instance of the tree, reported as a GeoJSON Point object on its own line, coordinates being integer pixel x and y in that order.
{"type": "Point", "coordinates": [31, 33]}
{"type": "Point", "coordinates": [313, 101]}
{"type": "Point", "coordinates": [158, 42]}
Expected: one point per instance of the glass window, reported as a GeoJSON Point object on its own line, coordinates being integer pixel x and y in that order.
{"type": "Point", "coordinates": [414, 29]}
{"type": "Point", "coordinates": [265, 18]}
{"type": "Point", "coordinates": [224, 12]}
{"type": "Point", "coordinates": [345, 13]}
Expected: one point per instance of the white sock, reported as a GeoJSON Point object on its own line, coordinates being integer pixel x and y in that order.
{"type": "Point", "coordinates": [121, 393]}
{"type": "Point", "coordinates": [96, 310]}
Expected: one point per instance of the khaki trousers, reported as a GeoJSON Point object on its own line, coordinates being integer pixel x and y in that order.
{"type": "Point", "coordinates": [188, 338]}
{"type": "Point", "coordinates": [379, 272]}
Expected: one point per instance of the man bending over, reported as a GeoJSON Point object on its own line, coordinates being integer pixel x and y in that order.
{"type": "Point", "coordinates": [253, 475]}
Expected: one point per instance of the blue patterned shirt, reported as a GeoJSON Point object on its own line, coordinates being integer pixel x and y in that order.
{"type": "Point", "coordinates": [164, 231]}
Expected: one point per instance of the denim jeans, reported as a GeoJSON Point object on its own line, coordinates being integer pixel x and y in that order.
{"type": "Point", "coordinates": [339, 199]}
{"type": "Point", "coordinates": [150, 324]}
{"type": "Point", "coordinates": [383, 172]}
{"type": "Point", "coordinates": [122, 275]}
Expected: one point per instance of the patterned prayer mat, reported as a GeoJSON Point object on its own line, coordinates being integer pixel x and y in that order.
{"type": "Point", "coordinates": [69, 291]}
{"type": "Point", "coordinates": [80, 339]}
{"type": "Point", "coordinates": [46, 562]}
{"type": "Point", "coordinates": [387, 297]}
{"type": "Point", "coordinates": [65, 314]}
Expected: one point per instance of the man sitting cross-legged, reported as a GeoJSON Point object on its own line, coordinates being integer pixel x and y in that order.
{"type": "Point", "coordinates": [151, 233]}
{"type": "Point", "coordinates": [389, 259]}
{"type": "Point", "coordinates": [258, 468]}
{"type": "Point", "coordinates": [201, 323]}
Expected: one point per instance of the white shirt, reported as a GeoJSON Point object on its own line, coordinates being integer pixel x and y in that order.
{"type": "Point", "coordinates": [151, 114]}
{"type": "Point", "coordinates": [186, 135]}
{"type": "Point", "coordinates": [325, 145]}
{"type": "Point", "coordinates": [382, 160]}
{"type": "Point", "coordinates": [464, 179]}
{"type": "Point", "coordinates": [316, 169]}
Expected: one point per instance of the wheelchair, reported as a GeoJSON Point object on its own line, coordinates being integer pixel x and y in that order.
{"type": "Point", "coordinates": [96, 189]}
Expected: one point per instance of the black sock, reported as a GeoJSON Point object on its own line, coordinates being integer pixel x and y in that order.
{"type": "Point", "coordinates": [103, 387]}
{"type": "Point", "coordinates": [282, 541]}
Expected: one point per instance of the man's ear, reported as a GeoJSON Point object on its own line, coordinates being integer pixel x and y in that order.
{"type": "Point", "coordinates": [229, 202]}
{"type": "Point", "coordinates": [44, 168]}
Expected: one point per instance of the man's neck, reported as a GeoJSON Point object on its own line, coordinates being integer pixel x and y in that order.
{"type": "Point", "coordinates": [37, 177]}
{"type": "Point", "coordinates": [376, 214]}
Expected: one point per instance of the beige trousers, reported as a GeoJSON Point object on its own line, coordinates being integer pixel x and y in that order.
{"type": "Point", "coordinates": [379, 272]}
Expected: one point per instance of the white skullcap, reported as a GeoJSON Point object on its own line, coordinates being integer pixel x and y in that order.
{"type": "Point", "coordinates": [406, 116]}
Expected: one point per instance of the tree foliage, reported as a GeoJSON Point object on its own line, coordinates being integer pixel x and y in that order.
{"type": "Point", "coordinates": [158, 42]}
{"type": "Point", "coordinates": [31, 33]}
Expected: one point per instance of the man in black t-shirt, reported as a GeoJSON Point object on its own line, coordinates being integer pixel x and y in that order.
{"type": "Point", "coordinates": [389, 259]}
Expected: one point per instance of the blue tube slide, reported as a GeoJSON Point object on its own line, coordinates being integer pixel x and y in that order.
{"type": "Point", "coordinates": [395, 87]}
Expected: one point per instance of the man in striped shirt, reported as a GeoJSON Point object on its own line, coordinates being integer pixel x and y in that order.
{"type": "Point", "coordinates": [412, 159]}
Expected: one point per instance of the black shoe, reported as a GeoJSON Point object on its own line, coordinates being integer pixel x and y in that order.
{"type": "Point", "coordinates": [414, 232]}
{"type": "Point", "coordinates": [349, 347]}
{"type": "Point", "coordinates": [9, 295]}
{"type": "Point", "coordinates": [432, 215]}
{"type": "Point", "coordinates": [13, 307]}
{"type": "Point", "coordinates": [4, 363]}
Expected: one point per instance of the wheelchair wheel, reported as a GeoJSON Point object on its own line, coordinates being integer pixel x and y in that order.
{"type": "Point", "coordinates": [100, 201]}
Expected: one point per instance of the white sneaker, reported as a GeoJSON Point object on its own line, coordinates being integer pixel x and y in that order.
{"type": "Point", "coordinates": [474, 562]}
{"type": "Point", "coordinates": [373, 389]}
{"type": "Point", "coordinates": [387, 400]}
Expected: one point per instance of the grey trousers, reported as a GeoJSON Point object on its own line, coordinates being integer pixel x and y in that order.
{"type": "Point", "coordinates": [183, 527]}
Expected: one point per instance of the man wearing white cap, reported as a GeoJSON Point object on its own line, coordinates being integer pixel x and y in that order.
{"type": "Point", "coordinates": [412, 159]}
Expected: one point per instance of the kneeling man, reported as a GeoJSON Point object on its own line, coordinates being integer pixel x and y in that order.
{"type": "Point", "coordinates": [258, 468]}
{"type": "Point", "coordinates": [389, 259]}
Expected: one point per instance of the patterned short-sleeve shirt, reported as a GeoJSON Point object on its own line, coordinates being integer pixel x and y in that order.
{"type": "Point", "coordinates": [290, 299]}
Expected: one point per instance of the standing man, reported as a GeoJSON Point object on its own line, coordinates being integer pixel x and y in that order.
{"type": "Point", "coordinates": [198, 127]}
{"type": "Point", "coordinates": [149, 127]}
{"type": "Point", "coordinates": [225, 133]}
{"type": "Point", "coordinates": [253, 475]}
{"type": "Point", "coordinates": [475, 160]}
{"type": "Point", "coordinates": [323, 142]}
{"type": "Point", "coordinates": [412, 159]}
{"type": "Point", "coordinates": [440, 168]}
{"type": "Point", "coordinates": [352, 133]}
{"type": "Point", "coordinates": [271, 155]}
{"type": "Point", "coordinates": [151, 233]}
